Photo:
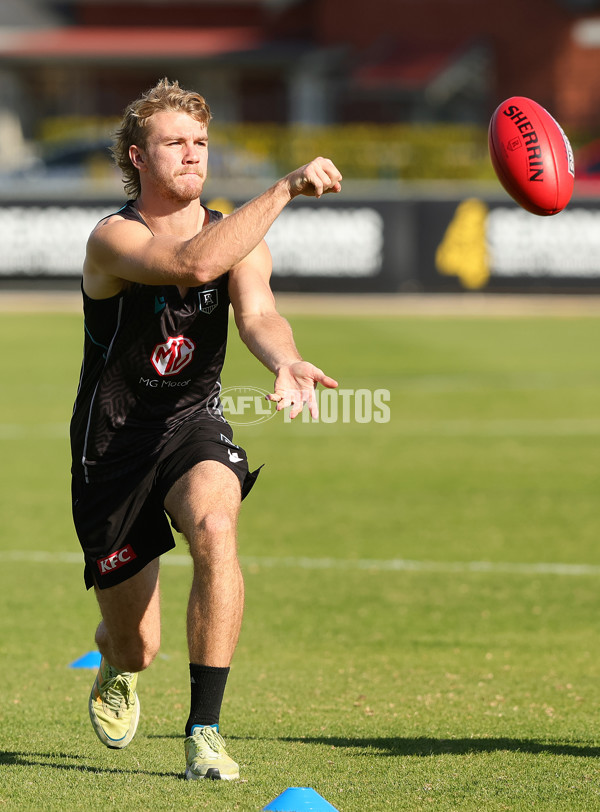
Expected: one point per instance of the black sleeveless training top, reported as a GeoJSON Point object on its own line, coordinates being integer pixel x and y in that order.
{"type": "Point", "coordinates": [152, 361]}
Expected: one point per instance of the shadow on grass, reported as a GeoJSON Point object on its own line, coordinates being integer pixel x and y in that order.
{"type": "Point", "coordinates": [424, 746]}
{"type": "Point", "coordinates": [397, 746]}
{"type": "Point", "coordinates": [26, 759]}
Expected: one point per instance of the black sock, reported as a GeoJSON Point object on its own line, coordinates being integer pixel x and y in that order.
{"type": "Point", "coordinates": [207, 685]}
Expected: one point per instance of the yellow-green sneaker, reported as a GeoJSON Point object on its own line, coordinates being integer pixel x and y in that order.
{"type": "Point", "coordinates": [206, 757]}
{"type": "Point", "coordinates": [114, 706]}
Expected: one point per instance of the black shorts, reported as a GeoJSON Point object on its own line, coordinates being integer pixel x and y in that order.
{"type": "Point", "coordinates": [121, 522]}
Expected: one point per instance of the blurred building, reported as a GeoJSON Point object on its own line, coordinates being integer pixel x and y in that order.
{"type": "Point", "coordinates": [310, 62]}
{"type": "Point", "coordinates": [398, 92]}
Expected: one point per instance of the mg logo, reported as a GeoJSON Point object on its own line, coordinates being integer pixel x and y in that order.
{"type": "Point", "coordinates": [172, 356]}
{"type": "Point", "coordinates": [116, 560]}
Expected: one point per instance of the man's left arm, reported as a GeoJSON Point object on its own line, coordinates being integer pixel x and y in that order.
{"type": "Point", "coordinates": [269, 337]}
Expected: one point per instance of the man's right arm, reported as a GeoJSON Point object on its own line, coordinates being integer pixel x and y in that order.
{"type": "Point", "coordinates": [120, 251]}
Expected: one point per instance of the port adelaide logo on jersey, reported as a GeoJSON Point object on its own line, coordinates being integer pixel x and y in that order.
{"type": "Point", "coordinates": [209, 299]}
{"type": "Point", "coordinates": [173, 355]}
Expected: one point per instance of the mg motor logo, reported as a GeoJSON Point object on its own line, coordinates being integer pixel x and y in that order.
{"type": "Point", "coordinates": [116, 560]}
{"type": "Point", "coordinates": [172, 356]}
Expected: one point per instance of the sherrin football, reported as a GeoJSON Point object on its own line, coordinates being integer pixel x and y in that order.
{"type": "Point", "coordinates": [531, 155]}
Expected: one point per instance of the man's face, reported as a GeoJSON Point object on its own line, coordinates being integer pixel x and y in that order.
{"type": "Point", "coordinates": [175, 157]}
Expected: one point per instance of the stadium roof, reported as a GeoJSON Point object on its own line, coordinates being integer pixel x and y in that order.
{"type": "Point", "coordinates": [98, 43]}
{"type": "Point", "coordinates": [405, 65]}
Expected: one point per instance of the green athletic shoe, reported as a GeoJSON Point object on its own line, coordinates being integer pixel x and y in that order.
{"type": "Point", "coordinates": [114, 706]}
{"type": "Point", "coordinates": [206, 757]}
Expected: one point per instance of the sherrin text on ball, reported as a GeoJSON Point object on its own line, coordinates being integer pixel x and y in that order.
{"type": "Point", "coordinates": [531, 156]}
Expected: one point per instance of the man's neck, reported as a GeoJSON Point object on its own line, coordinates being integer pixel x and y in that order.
{"type": "Point", "coordinates": [168, 217]}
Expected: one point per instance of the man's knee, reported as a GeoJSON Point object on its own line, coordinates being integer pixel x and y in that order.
{"type": "Point", "coordinates": [217, 525]}
{"type": "Point", "coordinates": [214, 536]}
{"type": "Point", "coordinates": [134, 650]}
{"type": "Point", "coordinates": [140, 659]}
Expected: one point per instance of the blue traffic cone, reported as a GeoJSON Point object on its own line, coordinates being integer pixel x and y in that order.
{"type": "Point", "coordinates": [299, 799]}
{"type": "Point", "coordinates": [89, 660]}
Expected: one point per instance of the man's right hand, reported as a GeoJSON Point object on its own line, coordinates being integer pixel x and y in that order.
{"type": "Point", "coordinates": [317, 178]}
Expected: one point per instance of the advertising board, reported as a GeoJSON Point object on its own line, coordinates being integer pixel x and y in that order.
{"type": "Point", "coordinates": [358, 245]}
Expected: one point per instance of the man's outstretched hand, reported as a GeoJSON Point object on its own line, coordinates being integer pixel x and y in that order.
{"type": "Point", "coordinates": [295, 385]}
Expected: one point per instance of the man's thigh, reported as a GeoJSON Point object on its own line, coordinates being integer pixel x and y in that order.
{"type": "Point", "coordinates": [208, 492]}
{"type": "Point", "coordinates": [202, 440]}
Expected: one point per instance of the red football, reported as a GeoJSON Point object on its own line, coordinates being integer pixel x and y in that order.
{"type": "Point", "coordinates": [531, 155]}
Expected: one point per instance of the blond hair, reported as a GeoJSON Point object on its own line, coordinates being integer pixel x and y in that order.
{"type": "Point", "coordinates": [164, 96]}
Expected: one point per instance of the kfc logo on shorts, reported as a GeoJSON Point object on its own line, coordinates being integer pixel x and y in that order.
{"type": "Point", "coordinates": [172, 356]}
{"type": "Point", "coordinates": [116, 560]}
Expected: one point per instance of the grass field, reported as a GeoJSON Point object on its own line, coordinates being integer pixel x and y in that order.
{"type": "Point", "coordinates": [421, 630]}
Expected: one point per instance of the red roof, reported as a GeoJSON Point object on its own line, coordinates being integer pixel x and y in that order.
{"type": "Point", "coordinates": [405, 66]}
{"type": "Point", "coordinates": [92, 42]}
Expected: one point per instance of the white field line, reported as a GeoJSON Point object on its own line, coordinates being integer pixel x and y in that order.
{"type": "Point", "coordinates": [435, 428]}
{"type": "Point", "coordinates": [305, 563]}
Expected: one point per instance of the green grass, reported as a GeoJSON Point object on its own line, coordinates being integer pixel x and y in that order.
{"type": "Point", "coordinates": [444, 687]}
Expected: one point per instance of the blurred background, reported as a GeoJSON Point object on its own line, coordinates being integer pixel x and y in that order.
{"type": "Point", "coordinates": [398, 93]}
